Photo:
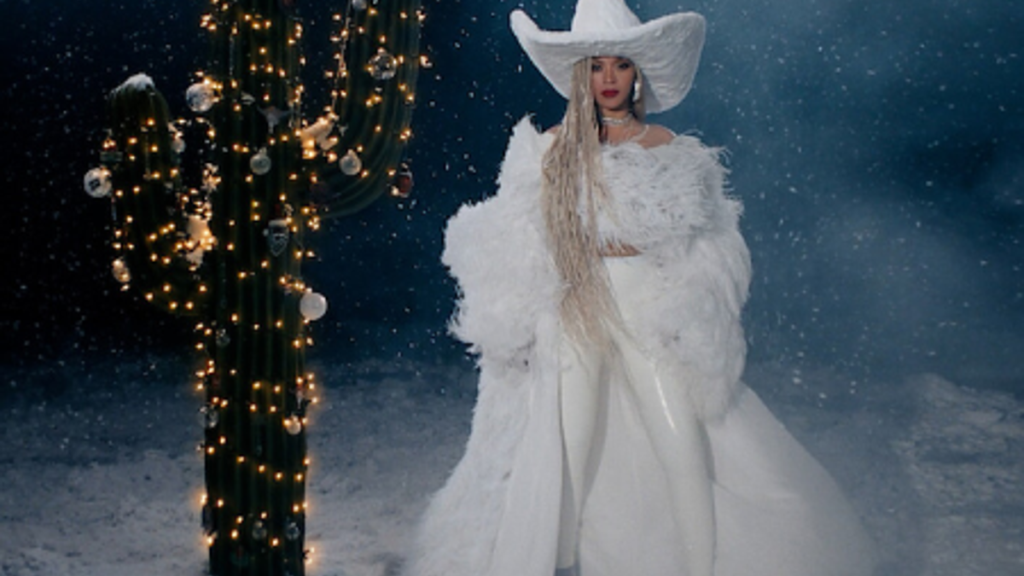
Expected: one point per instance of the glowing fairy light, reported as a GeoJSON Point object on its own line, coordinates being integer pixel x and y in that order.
{"type": "Point", "coordinates": [228, 250]}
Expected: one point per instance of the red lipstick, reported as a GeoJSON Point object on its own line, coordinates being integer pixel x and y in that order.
{"type": "Point", "coordinates": [609, 93]}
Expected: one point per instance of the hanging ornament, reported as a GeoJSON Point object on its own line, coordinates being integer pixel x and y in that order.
{"type": "Point", "coordinates": [293, 425]}
{"type": "Point", "coordinates": [274, 116]}
{"type": "Point", "coordinates": [200, 239]}
{"type": "Point", "coordinates": [292, 530]}
{"type": "Point", "coordinates": [277, 234]}
{"type": "Point", "coordinates": [211, 177]}
{"type": "Point", "coordinates": [402, 186]}
{"type": "Point", "coordinates": [301, 401]}
{"type": "Point", "coordinates": [97, 182]}
{"type": "Point", "coordinates": [223, 339]}
{"type": "Point", "coordinates": [120, 271]}
{"type": "Point", "coordinates": [209, 417]}
{"type": "Point", "coordinates": [359, 5]}
{"type": "Point", "coordinates": [260, 162]}
{"type": "Point", "coordinates": [178, 142]}
{"type": "Point", "coordinates": [200, 97]}
{"type": "Point", "coordinates": [318, 134]}
{"type": "Point", "coordinates": [350, 163]}
{"type": "Point", "coordinates": [109, 154]}
{"type": "Point", "coordinates": [313, 306]}
{"type": "Point", "coordinates": [383, 66]}
{"type": "Point", "coordinates": [259, 531]}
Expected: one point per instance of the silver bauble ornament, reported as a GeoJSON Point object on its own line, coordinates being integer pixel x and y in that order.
{"type": "Point", "coordinates": [313, 306]}
{"type": "Point", "coordinates": [291, 530]}
{"type": "Point", "coordinates": [260, 162]}
{"type": "Point", "coordinates": [259, 531]}
{"type": "Point", "coordinates": [209, 417]}
{"type": "Point", "coordinates": [350, 163]}
{"type": "Point", "coordinates": [223, 338]}
{"type": "Point", "coordinates": [178, 142]}
{"type": "Point", "coordinates": [200, 97]}
{"type": "Point", "coordinates": [383, 66]}
{"type": "Point", "coordinates": [97, 182]}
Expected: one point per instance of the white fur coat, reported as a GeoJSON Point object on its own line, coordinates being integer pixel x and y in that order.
{"type": "Point", "coordinates": [498, 513]}
{"type": "Point", "coordinates": [669, 203]}
{"type": "Point", "coordinates": [776, 512]}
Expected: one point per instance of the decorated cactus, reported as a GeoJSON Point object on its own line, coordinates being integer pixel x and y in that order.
{"type": "Point", "coordinates": [211, 215]}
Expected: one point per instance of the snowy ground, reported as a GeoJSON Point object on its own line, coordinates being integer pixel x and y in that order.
{"type": "Point", "coordinates": [99, 474]}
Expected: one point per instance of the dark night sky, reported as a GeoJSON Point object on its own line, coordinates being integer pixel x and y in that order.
{"type": "Point", "coordinates": [878, 148]}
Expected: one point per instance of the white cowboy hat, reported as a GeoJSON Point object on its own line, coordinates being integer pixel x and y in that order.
{"type": "Point", "coordinates": [666, 50]}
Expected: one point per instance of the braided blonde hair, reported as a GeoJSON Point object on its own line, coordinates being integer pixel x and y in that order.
{"type": "Point", "coordinates": [571, 170]}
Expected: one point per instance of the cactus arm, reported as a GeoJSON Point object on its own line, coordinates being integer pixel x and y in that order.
{"type": "Point", "coordinates": [151, 226]}
{"type": "Point", "coordinates": [374, 112]}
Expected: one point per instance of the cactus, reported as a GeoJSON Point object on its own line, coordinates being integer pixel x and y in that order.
{"type": "Point", "coordinates": [226, 250]}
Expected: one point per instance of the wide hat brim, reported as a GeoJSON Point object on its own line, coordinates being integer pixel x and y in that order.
{"type": "Point", "coordinates": [666, 50]}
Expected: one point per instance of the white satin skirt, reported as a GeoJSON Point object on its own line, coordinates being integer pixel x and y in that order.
{"type": "Point", "coordinates": [766, 507]}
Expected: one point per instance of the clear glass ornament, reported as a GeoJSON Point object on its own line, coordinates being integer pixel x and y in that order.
{"type": "Point", "coordinates": [383, 66]}
{"type": "Point", "coordinates": [293, 425]}
{"type": "Point", "coordinates": [291, 530]}
{"type": "Point", "coordinates": [359, 5]}
{"type": "Point", "coordinates": [260, 162]}
{"type": "Point", "coordinates": [178, 141]}
{"type": "Point", "coordinates": [209, 417]}
{"type": "Point", "coordinates": [350, 163]}
{"type": "Point", "coordinates": [200, 97]}
{"type": "Point", "coordinates": [313, 306]}
{"type": "Point", "coordinates": [97, 182]}
{"type": "Point", "coordinates": [223, 339]}
{"type": "Point", "coordinates": [259, 531]}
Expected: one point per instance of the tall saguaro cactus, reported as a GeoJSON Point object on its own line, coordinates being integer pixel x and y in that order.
{"type": "Point", "coordinates": [226, 247]}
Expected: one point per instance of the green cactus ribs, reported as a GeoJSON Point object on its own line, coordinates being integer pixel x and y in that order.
{"type": "Point", "coordinates": [210, 221]}
{"type": "Point", "coordinates": [361, 136]}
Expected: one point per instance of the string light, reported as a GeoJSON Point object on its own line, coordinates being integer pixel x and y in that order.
{"type": "Point", "coordinates": [163, 229]}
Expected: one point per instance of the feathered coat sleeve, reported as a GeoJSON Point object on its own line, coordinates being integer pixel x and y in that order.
{"type": "Point", "coordinates": [496, 252]}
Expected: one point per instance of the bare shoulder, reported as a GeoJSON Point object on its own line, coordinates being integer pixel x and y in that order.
{"type": "Point", "coordinates": [554, 129]}
{"type": "Point", "coordinates": [656, 135]}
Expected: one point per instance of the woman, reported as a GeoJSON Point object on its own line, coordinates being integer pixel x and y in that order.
{"type": "Point", "coordinates": [602, 289]}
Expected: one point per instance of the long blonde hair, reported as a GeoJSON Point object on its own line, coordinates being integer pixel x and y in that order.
{"type": "Point", "coordinates": [572, 171]}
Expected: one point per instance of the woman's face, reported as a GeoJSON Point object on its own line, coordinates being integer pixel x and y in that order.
{"type": "Point", "coordinates": [611, 80]}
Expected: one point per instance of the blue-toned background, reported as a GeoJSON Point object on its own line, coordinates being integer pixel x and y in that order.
{"type": "Point", "coordinates": [878, 148]}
